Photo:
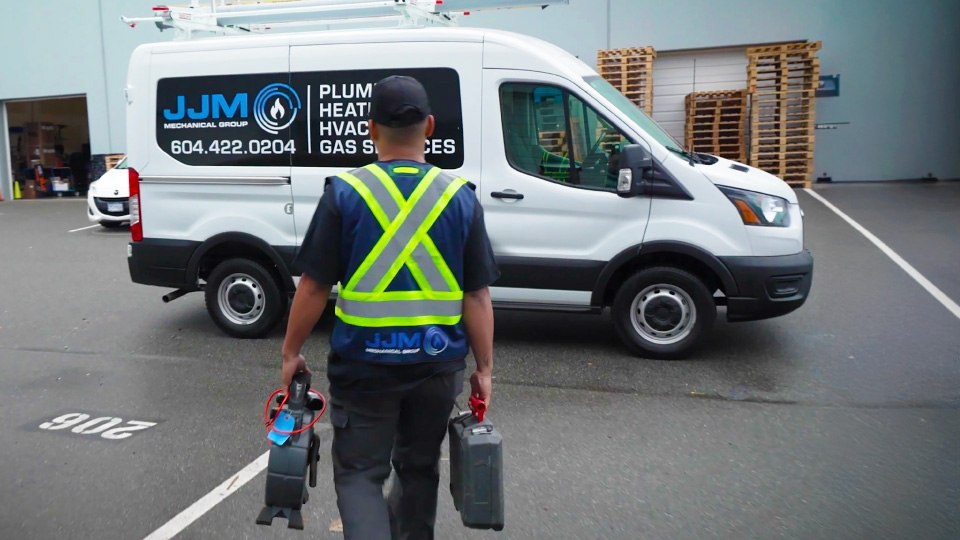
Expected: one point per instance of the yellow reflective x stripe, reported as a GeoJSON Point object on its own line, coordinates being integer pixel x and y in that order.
{"type": "Point", "coordinates": [368, 197]}
{"type": "Point", "coordinates": [380, 322]}
{"type": "Point", "coordinates": [426, 241]}
{"type": "Point", "coordinates": [391, 296]}
{"type": "Point", "coordinates": [422, 229]}
{"type": "Point", "coordinates": [392, 229]}
{"type": "Point", "coordinates": [423, 238]}
{"type": "Point", "coordinates": [405, 170]}
{"type": "Point", "coordinates": [394, 192]}
{"type": "Point", "coordinates": [388, 183]}
{"type": "Point", "coordinates": [384, 222]}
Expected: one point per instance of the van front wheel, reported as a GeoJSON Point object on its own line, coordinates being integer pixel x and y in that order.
{"type": "Point", "coordinates": [663, 312]}
{"type": "Point", "coordinates": [243, 298]}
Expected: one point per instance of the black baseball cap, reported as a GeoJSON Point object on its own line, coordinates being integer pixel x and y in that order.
{"type": "Point", "coordinates": [399, 101]}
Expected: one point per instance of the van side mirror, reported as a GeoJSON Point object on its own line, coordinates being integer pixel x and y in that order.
{"type": "Point", "coordinates": [634, 165]}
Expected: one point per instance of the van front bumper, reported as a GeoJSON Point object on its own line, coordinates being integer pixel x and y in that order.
{"type": "Point", "coordinates": [768, 286]}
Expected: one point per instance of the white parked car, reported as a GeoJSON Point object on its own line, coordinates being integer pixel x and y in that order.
{"type": "Point", "coordinates": [108, 199]}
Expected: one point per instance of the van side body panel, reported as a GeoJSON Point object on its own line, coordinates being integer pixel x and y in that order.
{"type": "Point", "coordinates": [180, 201]}
{"type": "Point", "coordinates": [559, 246]}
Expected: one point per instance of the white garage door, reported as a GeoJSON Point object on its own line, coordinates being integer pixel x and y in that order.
{"type": "Point", "coordinates": [676, 74]}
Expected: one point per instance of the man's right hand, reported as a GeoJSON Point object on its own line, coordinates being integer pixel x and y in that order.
{"type": "Point", "coordinates": [481, 385]}
{"type": "Point", "coordinates": [292, 364]}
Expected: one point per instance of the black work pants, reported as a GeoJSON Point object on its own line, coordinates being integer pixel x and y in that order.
{"type": "Point", "coordinates": [405, 429]}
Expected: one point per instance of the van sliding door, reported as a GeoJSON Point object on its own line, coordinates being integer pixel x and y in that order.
{"type": "Point", "coordinates": [221, 159]}
{"type": "Point", "coordinates": [336, 81]}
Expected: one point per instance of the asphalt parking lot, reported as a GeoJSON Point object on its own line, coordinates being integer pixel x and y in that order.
{"type": "Point", "coordinates": [841, 420]}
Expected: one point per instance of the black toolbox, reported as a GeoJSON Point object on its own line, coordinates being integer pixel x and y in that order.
{"type": "Point", "coordinates": [476, 471]}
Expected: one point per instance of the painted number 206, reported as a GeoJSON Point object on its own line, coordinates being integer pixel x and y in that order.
{"type": "Point", "coordinates": [108, 427]}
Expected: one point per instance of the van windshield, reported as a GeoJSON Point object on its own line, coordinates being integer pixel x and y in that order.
{"type": "Point", "coordinates": [633, 112]}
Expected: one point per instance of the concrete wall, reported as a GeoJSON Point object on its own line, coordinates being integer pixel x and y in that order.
{"type": "Point", "coordinates": [899, 65]}
{"type": "Point", "coordinates": [897, 60]}
{"type": "Point", "coordinates": [60, 47]}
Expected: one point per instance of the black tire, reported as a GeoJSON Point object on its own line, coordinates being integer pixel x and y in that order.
{"type": "Point", "coordinates": [111, 224]}
{"type": "Point", "coordinates": [244, 299]}
{"type": "Point", "coordinates": [678, 310]}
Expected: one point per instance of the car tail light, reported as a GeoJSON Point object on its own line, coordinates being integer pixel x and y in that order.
{"type": "Point", "coordinates": [136, 227]}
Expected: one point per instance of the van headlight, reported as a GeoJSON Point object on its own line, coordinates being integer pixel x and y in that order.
{"type": "Point", "coordinates": [759, 208]}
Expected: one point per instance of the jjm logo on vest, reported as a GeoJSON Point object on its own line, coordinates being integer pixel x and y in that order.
{"type": "Point", "coordinates": [433, 342]}
{"type": "Point", "coordinates": [274, 109]}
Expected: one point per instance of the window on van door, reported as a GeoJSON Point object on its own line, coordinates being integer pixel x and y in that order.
{"type": "Point", "coordinates": [551, 133]}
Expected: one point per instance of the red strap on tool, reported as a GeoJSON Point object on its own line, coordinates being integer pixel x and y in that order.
{"type": "Point", "coordinates": [478, 406]}
{"type": "Point", "coordinates": [270, 421]}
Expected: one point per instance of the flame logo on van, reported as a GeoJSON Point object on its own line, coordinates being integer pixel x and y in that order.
{"type": "Point", "coordinates": [274, 118]}
{"type": "Point", "coordinates": [277, 110]}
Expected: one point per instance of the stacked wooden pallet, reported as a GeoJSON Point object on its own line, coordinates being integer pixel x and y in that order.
{"type": "Point", "coordinates": [111, 160]}
{"type": "Point", "coordinates": [551, 122]}
{"type": "Point", "coordinates": [553, 141]}
{"type": "Point", "coordinates": [630, 71]}
{"type": "Point", "coordinates": [782, 83]}
{"type": "Point", "coordinates": [715, 123]}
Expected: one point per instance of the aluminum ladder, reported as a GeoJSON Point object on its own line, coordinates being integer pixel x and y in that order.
{"type": "Point", "coordinates": [241, 17]}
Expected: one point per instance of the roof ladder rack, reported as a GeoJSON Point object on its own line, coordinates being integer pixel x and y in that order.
{"type": "Point", "coordinates": [240, 17]}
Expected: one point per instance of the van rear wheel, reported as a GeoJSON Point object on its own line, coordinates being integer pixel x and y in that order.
{"type": "Point", "coordinates": [243, 298]}
{"type": "Point", "coordinates": [663, 312]}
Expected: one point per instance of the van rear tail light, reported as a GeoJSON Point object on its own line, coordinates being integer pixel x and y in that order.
{"type": "Point", "coordinates": [136, 227]}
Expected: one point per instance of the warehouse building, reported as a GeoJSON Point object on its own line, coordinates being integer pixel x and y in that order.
{"type": "Point", "coordinates": [886, 107]}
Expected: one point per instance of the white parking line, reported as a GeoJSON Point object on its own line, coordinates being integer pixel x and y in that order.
{"type": "Point", "coordinates": [229, 486]}
{"type": "Point", "coordinates": [907, 267]}
{"type": "Point", "coordinates": [84, 228]}
{"type": "Point", "coordinates": [206, 503]}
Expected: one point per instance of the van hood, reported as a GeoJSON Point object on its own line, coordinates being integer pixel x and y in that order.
{"type": "Point", "coordinates": [113, 184]}
{"type": "Point", "coordinates": [737, 175]}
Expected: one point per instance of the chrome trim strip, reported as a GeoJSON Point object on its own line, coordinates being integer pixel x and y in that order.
{"type": "Point", "coordinates": [218, 180]}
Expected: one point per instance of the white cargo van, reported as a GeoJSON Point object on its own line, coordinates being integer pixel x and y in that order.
{"type": "Point", "coordinates": [589, 204]}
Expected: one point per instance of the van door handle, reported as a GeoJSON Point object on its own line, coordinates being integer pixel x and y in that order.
{"type": "Point", "coordinates": [506, 195]}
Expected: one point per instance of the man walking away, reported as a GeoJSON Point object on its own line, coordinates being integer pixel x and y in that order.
{"type": "Point", "coordinates": [406, 243]}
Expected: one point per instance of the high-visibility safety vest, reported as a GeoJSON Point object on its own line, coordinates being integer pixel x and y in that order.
{"type": "Point", "coordinates": [401, 297]}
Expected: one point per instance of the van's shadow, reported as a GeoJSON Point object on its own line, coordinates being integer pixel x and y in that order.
{"type": "Point", "coordinates": [736, 361]}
